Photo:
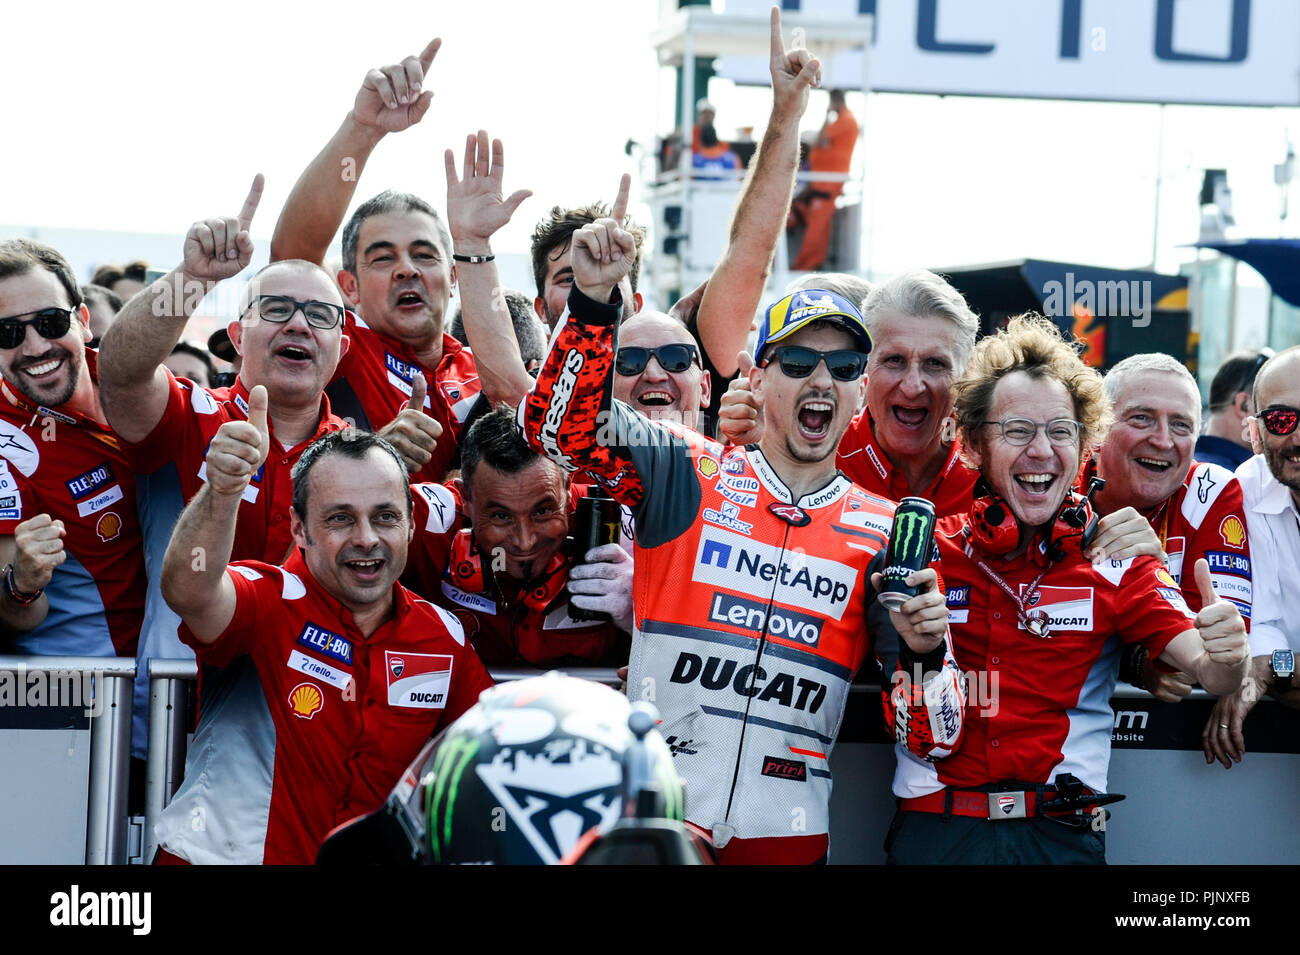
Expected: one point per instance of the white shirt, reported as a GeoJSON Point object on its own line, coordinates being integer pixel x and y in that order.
{"type": "Point", "coordinates": [1273, 524]}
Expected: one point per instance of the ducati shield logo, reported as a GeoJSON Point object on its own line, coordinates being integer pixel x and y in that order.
{"type": "Point", "coordinates": [397, 665]}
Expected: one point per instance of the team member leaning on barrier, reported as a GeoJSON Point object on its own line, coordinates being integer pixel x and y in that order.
{"type": "Point", "coordinates": [358, 672]}
{"type": "Point", "coordinates": [289, 335]}
{"type": "Point", "coordinates": [1195, 509]}
{"type": "Point", "coordinates": [510, 578]}
{"type": "Point", "coordinates": [1025, 604]}
{"type": "Point", "coordinates": [752, 595]}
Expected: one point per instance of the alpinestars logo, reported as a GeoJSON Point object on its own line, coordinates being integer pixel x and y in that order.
{"type": "Point", "coordinates": [553, 802]}
{"type": "Point", "coordinates": [561, 393]}
{"type": "Point", "coordinates": [684, 747]}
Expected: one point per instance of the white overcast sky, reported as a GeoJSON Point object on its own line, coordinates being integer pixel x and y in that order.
{"type": "Point", "coordinates": [139, 116]}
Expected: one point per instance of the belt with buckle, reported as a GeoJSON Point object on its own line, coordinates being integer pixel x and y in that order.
{"type": "Point", "coordinates": [997, 804]}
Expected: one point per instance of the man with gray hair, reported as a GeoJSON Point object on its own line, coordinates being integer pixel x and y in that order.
{"type": "Point", "coordinates": [904, 443]}
{"type": "Point", "coordinates": [1195, 509]}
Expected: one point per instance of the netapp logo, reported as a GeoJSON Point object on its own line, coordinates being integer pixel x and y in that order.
{"type": "Point", "coordinates": [740, 612]}
{"type": "Point", "coordinates": [716, 673]}
{"type": "Point", "coordinates": [741, 564]}
{"type": "Point", "coordinates": [561, 393]}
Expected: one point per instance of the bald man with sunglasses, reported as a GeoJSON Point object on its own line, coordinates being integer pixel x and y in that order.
{"type": "Point", "coordinates": [1270, 487]}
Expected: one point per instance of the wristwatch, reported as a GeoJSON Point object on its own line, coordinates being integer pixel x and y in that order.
{"type": "Point", "coordinates": [1283, 668]}
{"type": "Point", "coordinates": [21, 599]}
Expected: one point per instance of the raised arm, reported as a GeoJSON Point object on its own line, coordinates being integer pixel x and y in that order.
{"type": "Point", "coordinates": [29, 557]}
{"type": "Point", "coordinates": [736, 286]}
{"type": "Point", "coordinates": [475, 211]}
{"type": "Point", "coordinates": [194, 580]}
{"type": "Point", "coordinates": [391, 99]}
{"type": "Point", "coordinates": [132, 380]}
{"type": "Point", "coordinates": [1216, 652]}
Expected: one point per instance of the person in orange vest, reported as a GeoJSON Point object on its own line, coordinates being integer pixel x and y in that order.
{"type": "Point", "coordinates": [814, 207]}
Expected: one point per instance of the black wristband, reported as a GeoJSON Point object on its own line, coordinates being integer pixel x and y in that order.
{"type": "Point", "coordinates": [21, 599]}
{"type": "Point", "coordinates": [475, 259]}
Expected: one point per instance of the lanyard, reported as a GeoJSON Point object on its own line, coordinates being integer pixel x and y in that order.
{"type": "Point", "coordinates": [1035, 621]}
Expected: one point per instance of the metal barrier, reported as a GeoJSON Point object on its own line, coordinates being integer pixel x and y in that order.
{"type": "Point", "coordinates": [108, 709]}
{"type": "Point", "coordinates": [166, 742]}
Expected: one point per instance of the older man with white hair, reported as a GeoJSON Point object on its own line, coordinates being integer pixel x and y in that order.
{"type": "Point", "coordinates": [1195, 509]}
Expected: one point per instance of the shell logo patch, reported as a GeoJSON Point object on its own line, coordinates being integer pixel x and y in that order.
{"type": "Point", "coordinates": [1232, 531]}
{"type": "Point", "coordinates": [1166, 578]}
{"type": "Point", "coordinates": [707, 466]}
{"type": "Point", "coordinates": [109, 527]}
{"type": "Point", "coordinates": [306, 700]}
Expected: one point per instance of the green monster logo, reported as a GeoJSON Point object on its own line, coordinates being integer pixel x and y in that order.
{"type": "Point", "coordinates": [448, 767]}
{"type": "Point", "coordinates": [907, 522]}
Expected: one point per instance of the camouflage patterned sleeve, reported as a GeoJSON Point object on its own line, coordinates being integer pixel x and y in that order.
{"type": "Point", "coordinates": [571, 416]}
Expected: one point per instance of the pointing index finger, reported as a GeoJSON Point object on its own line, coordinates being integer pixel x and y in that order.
{"type": "Point", "coordinates": [430, 51]}
{"type": "Point", "coordinates": [778, 42]}
{"type": "Point", "coordinates": [619, 212]}
{"type": "Point", "coordinates": [250, 204]}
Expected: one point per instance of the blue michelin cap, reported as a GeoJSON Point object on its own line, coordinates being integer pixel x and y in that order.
{"type": "Point", "coordinates": [801, 308]}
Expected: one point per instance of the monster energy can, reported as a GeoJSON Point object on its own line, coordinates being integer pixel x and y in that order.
{"type": "Point", "coordinates": [910, 542]}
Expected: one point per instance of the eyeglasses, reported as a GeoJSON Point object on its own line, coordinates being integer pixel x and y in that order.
{"type": "Point", "coordinates": [676, 357]}
{"type": "Point", "coordinates": [1022, 431]}
{"type": "Point", "coordinates": [279, 309]}
{"type": "Point", "coordinates": [1279, 420]}
{"type": "Point", "coordinates": [799, 362]}
{"type": "Point", "coordinates": [51, 323]}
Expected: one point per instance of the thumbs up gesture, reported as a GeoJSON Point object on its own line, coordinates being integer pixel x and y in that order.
{"type": "Point", "coordinates": [413, 433]}
{"type": "Point", "coordinates": [1220, 625]}
{"type": "Point", "coordinates": [739, 421]}
{"type": "Point", "coordinates": [239, 448]}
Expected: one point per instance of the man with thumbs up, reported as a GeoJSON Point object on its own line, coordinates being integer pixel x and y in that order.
{"type": "Point", "coordinates": [357, 671]}
{"type": "Point", "coordinates": [1036, 625]}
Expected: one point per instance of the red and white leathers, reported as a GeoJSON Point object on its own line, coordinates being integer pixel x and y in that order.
{"type": "Point", "coordinates": [1206, 518]}
{"type": "Point", "coordinates": [1039, 706]}
{"type": "Point", "coordinates": [752, 609]}
{"type": "Point", "coordinates": [864, 461]}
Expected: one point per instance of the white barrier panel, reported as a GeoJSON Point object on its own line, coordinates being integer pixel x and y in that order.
{"type": "Point", "coordinates": [65, 728]}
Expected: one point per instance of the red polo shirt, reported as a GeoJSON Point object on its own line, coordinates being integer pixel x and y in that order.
{"type": "Point", "coordinates": [864, 461]}
{"type": "Point", "coordinates": [61, 463]}
{"type": "Point", "coordinates": [187, 427]}
{"type": "Point", "coordinates": [350, 712]}
{"type": "Point", "coordinates": [373, 384]}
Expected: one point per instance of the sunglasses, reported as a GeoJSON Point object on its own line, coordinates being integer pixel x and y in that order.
{"type": "Point", "coordinates": [279, 309]}
{"type": "Point", "coordinates": [674, 358]}
{"type": "Point", "coordinates": [799, 362]}
{"type": "Point", "coordinates": [1280, 420]}
{"type": "Point", "coordinates": [51, 323]}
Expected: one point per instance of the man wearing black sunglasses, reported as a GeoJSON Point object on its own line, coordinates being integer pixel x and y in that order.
{"type": "Point", "coordinates": [751, 592]}
{"type": "Point", "coordinates": [73, 580]}
{"type": "Point", "coordinates": [1270, 484]}
{"type": "Point", "coordinates": [657, 370]}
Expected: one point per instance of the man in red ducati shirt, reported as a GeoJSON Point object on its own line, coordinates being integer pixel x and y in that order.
{"type": "Point", "coordinates": [1195, 509]}
{"type": "Point", "coordinates": [752, 603]}
{"type": "Point", "coordinates": [398, 272]}
{"type": "Point", "coordinates": [74, 579]}
{"type": "Point", "coordinates": [1026, 605]}
{"type": "Point", "coordinates": [357, 671]}
{"type": "Point", "coordinates": [509, 579]}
